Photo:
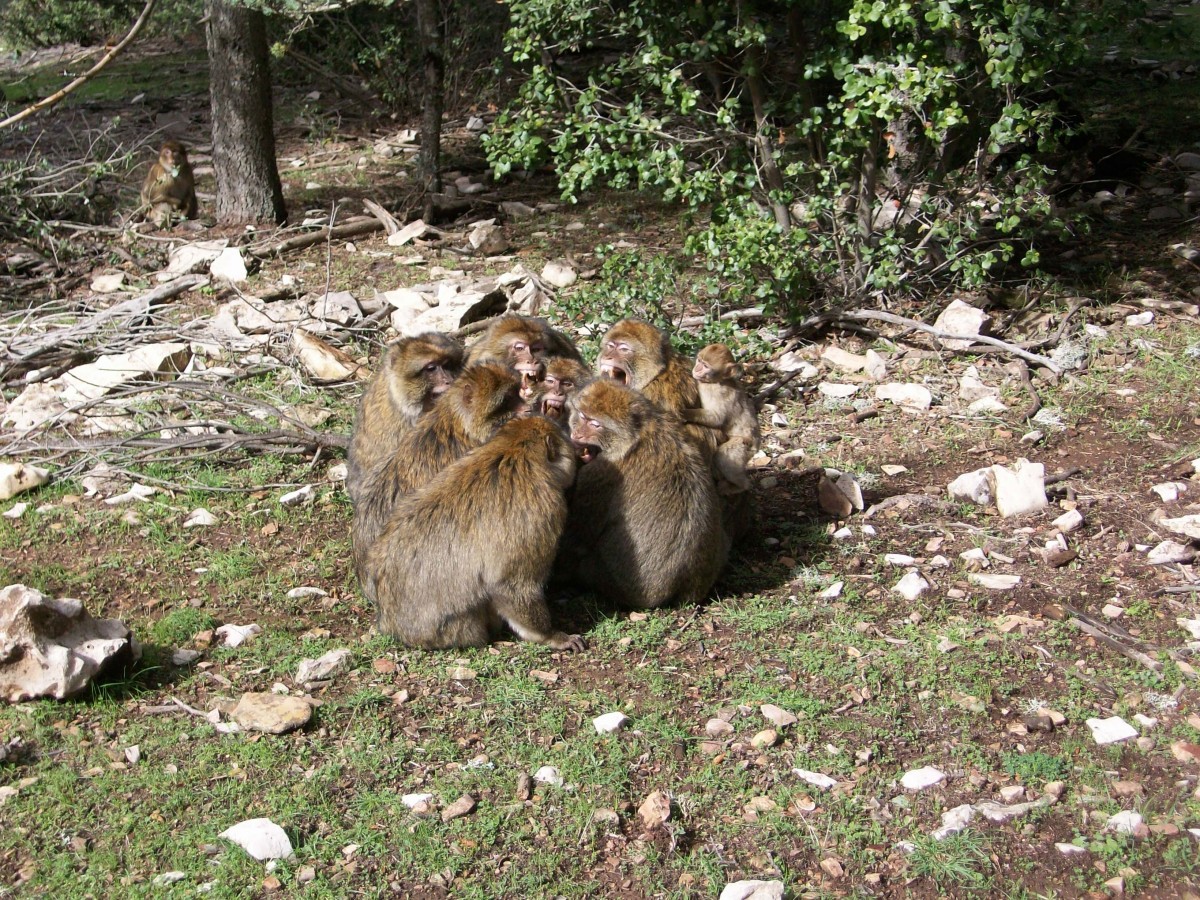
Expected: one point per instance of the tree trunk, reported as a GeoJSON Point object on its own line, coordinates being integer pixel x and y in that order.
{"type": "Point", "coordinates": [248, 188]}
{"type": "Point", "coordinates": [433, 52]}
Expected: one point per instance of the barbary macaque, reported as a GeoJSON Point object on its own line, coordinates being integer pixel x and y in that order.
{"type": "Point", "coordinates": [562, 378]}
{"type": "Point", "coordinates": [645, 524]}
{"type": "Point", "coordinates": [522, 343]}
{"type": "Point", "coordinates": [473, 548]}
{"type": "Point", "coordinates": [170, 186]}
{"type": "Point", "coordinates": [730, 412]}
{"type": "Point", "coordinates": [466, 416]}
{"type": "Point", "coordinates": [639, 355]}
{"type": "Point", "coordinates": [414, 372]}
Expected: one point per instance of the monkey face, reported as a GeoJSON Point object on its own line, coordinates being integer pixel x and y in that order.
{"type": "Point", "coordinates": [438, 375]}
{"type": "Point", "coordinates": [703, 372]}
{"type": "Point", "coordinates": [615, 361]}
{"type": "Point", "coordinates": [587, 436]}
{"type": "Point", "coordinates": [525, 354]}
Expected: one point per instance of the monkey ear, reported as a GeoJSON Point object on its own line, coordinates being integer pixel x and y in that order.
{"type": "Point", "coordinates": [736, 370]}
{"type": "Point", "coordinates": [551, 450]}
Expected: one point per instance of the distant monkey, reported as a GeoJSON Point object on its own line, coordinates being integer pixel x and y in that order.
{"type": "Point", "coordinates": [728, 410]}
{"type": "Point", "coordinates": [170, 186]}
{"type": "Point", "coordinates": [415, 371]}
{"type": "Point", "coordinates": [473, 548]}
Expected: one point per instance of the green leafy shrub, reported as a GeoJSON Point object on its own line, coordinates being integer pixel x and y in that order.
{"type": "Point", "coordinates": [45, 23]}
{"type": "Point", "coordinates": [825, 150]}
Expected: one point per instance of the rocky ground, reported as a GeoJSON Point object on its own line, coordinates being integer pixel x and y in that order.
{"type": "Point", "coordinates": [915, 696]}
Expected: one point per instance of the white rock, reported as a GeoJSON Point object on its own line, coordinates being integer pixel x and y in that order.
{"type": "Point", "coordinates": [1068, 521]}
{"type": "Point", "coordinates": [909, 397]}
{"type": "Point", "coordinates": [832, 592]}
{"type": "Point", "coordinates": [1019, 490]}
{"type": "Point", "coordinates": [610, 723]}
{"type": "Point", "coordinates": [137, 493]}
{"type": "Point", "coordinates": [412, 230]}
{"type": "Point", "coordinates": [108, 284]}
{"type": "Point", "coordinates": [190, 258]}
{"type": "Point", "coordinates": [898, 559]}
{"type": "Point", "coordinates": [889, 469]}
{"type": "Point", "coordinates": [166, 879]}
{"type": "Point", "coordinates": [1111, 731]}
{"type": "Point", "coordinates": [16, 511]}
{"type": "Point", "coordinates": [911, 586]}
{"type": "Point", "coordinates": [1139, 319]}
{"type": "Point", "coordinates": [1032, 437]}
{"type": "Point", "coordinates": [181, 657]}
{"type": "Point", "coordinates": [986, 406]}
{"type": "Point", "coordinates": [869, 531]}
{"type": "Point", "coordinates": [876, 367]}
{"type": "Point", "coordinates": [1012, 793]}
{"type": "Point", "coordinates": [548, 775]}
{"type": "Point", "coordinates": [837, 391]}
{"type": "Point", "coordinates": [994, 582]}
{"type": "Point", "coordinates": [261, 838]}
{"type": "Point", "coordinates": [515, 209]}
{"type": "Point", "coordinates": [816, 779]}
{"type": "Point", "coordinates": [229, 266]}
{"type": "Point", "coordinates": [339, 307]}
{"type": "Point", "coordinates": [1146, 722]}
{"type": "Point", "coordinates": [488, 239]}
{"type": "Point", "coordinates": [1169, 491]}
{"type": "Point", "coordinates": [326, 666]}
{"type": "Point", "coordinates": [300, 497]}
{"type": "Point", "coordinates": [924, 777]}
{"type": "Point", "coordinates": [306, 593]}
{"type": "Point", "coordinates": [954, 821]}
{"type": "Point", "coordinates": [236, 635]}
{"type": "Point", "coordinates": [559, 273]}
{"type": "Point", "coordinates": [53, 647]}
{"type": "Point", "coordinates": [412, 801]}
{"type": "Point", "coordinates": [999, 812]}
{"type": "Point", "coordinates": [199, 518]}
{"type": "Point", "coordinates": [1192, 625]}
{"type": "Point", "coordinates": [973, 487]}
{"type": "Point", "coordinates": [962, 320]}
{"type": "Point", "coordinates": [972, 388]}
{"type": "Point", "coordinates": [843, 534]}
{"type": "Point", "coordinates": [1069, 849]}
{"type": "Point", "coordinates": [793, 362]}
{"type": "Point", "coordinates": [36, 404]}
{"type": "Point", "coordinates": [843, 360]}
{"type": "Point", "coordinates": [323, 361]}
{"type": "Point", "coordinates": [1188, 526]}
{"type": "Point", "coordinates": [150, 362]}
{"type": "Point", "coordinates": [939, 562]}
{"type": "Point", "coordinates": [1124, 822]}
{"type": "Point", "coordinates": [752, 890]}
{"type": "Point", "coordinates": [1169, 552]}
{"type": "Point", "coordinates": [975, 557]}
{"type": "Point", "coordinates": [16, 478]}
{"type": "Point", "coordinates": [839, 493]}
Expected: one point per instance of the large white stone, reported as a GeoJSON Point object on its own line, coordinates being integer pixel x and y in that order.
{"type": "Point", "coordinates": [1168, 552]}
{"type": "Point", "coordinates": [16, 478]}
{"type": "Point", "coordinates": [1111, 731]}
{"type": "Point", "coordinates": [229, 266]}
{"type": "Point", "coordinates": [911, 586]}
{"type": "Point", "coordinates": [54, 647]}
{"type": "Point", "coordinates": [150, 361]}
{"type": "Point", "coordinates": [752, 890]}
{"type": "Point", "coordinates": [954, 821]}
{"type": "Point", "coordinates": [910, 397]}
{"type": "Point", "coordinates": [190, 258]}
{"type": "Point", "coordinates": [816, 779]}
{"type": "Point", "coordinates": [924, 777]}
{"type": "Point", "coordinates": [972, 388]}
{"type": "Point", "coordinates": [960, 319]}
{"type": "Point", "coordinates": [37, 404]}
{"type": "Point", "coordinates": [1124, 822]}
{"type": "Point", "coordinates": [332, 663]}
{"type": "Point", "coordinates": [836, 391]}
{"type": "Point", "coordinates": [559, 273]}
{"type": "Point", "coordinates": [1188, 526]}
{"type": "Point", "coordinates": [843, 360]}
{"type": "Point", "coordinates": [1021, 489]}
{"type": "Point", "coordinates": [609, 723]}
{"type": "Point", "coordinates": [261, 838]}
{"type": "Point", "coordinates": [973, 487]}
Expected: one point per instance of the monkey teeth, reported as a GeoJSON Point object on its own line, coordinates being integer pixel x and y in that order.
{"type": "Point", "coordinates": [616, 374]}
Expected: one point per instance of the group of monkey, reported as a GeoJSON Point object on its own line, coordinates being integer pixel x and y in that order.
{"type": "Point", "coordinates": [479, 476]}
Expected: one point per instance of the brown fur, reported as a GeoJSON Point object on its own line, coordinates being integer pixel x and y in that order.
{"type": "Point", "coordinates": [729, 412]}
{"type": "Point", "coordinates": [475, 546]}
{"type": "Point", "coordinates": [479, 401]}
{"type": "Point", "coordinates": [645, 526]}
{"type": "Point", "coordinates": [523, 343]}
{"type": "Point", "coordinates": [170, 186]}
{"type": "Point", "coordinates": [415, 371]}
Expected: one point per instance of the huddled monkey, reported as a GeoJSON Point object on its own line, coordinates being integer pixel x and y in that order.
{"type": "Point", "coordinates": [728, 410]}
{"type": "Point", "coordinates": [170, 186]}
{"type": "Point", "coordinates": [415, 371]}
{"type": "Point", "coordinates": [523, 343]}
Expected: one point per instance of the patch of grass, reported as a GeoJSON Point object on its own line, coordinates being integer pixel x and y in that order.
{"type": "Point", "coordinates": [960, 860]}
{"type": "Point", "coordinates": [1035, 767]}
{"type": "Point", "coordinates": [179, 626]}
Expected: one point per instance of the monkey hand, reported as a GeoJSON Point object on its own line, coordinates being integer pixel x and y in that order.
{"type": "Point", "coordinates": [572, 642]}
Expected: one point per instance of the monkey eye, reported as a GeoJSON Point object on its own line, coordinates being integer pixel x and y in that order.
{"type": "Point", "coordinates": [567, 385]}
{"type": "Point", "coordinates": [537, 348]}
{"type": "Point", "coordinates": [432, 367]}
{"type": "Point", "coordinates": [518, 345]}
{"type": "Point", "coordinates": [596, 423]}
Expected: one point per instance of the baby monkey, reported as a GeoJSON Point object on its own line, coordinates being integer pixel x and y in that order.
{"type": "Point", "coordinates": [170, 186]}
{"type": "Point", "coordinates": [726, 408]}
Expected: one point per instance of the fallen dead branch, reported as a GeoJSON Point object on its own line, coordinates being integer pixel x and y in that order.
{"type": "Point", "coordinates": [53, 347]}
{"type": "Point", "coordinates": [1122, 641]}
{"type": "Point", "coordinates": [1035, 402]}
{"type": "Point", "coordinates": [355, 227]}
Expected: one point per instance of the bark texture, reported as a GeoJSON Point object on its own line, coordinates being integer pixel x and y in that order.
{"type": "Point", "coordinates": [248, 187]}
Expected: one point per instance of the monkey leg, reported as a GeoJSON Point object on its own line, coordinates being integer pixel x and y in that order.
{"type": "Point", "coordinates": [525, 611]}
{"type": "Point", "coordinates": [731, 472]}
